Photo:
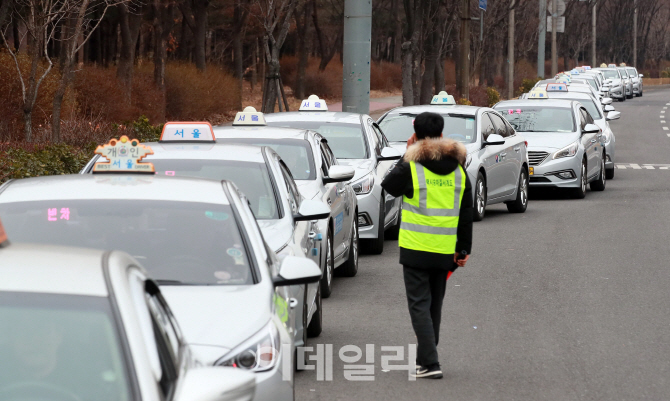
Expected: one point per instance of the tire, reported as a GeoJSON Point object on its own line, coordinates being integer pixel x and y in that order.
{"type": "Point", "coordinates": [580, 192]}
{"type": "Point", "coordinates": [609, 174]}
{"type": "Point", "coordinates": [315, 327]}
{"type": "Point", "coordinates": [376, 246]}
{"type": "Point", "coordinates": [623, 98]}
{"type": "Point", "coordinates": [520, 204]}
{"type": "Point", "coordinates": [350, 267]}
{"type": "Point", "coordinates": [480, 198]}
{"type": "Point", "coordinates": [641, 92]}
{"type": "Point", "coordinates": [601, 182]}
{"type": "Point", "coordinates": [326, 283]}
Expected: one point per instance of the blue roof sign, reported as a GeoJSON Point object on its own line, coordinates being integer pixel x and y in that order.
{"type": "Point", "coordinates": [313, 103]}
{"type": "Point", "coordinates": [249, 117]}
{"type": "Point", "coordinates": [443, 98]}
{"type": "Point", "coordinates": [557, 87]}
{"type": "Point", "coordinates": [123, 156]}
{"type": "Point", "coordinates": [187, 132]}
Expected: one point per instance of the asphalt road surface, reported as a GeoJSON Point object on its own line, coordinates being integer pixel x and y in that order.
{"type": "Point", "coordinates": [569, 301]}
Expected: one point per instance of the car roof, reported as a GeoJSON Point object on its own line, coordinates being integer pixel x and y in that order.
{"type": "Point", "coordinates": [330, 116]}
{"type": "Point", "coordinates": [52, 269]}
{"type": "Point", "coordinates": [218, 151]}
{"type": "Point", "coordinates": [442, 109]}
{"type": "Point", "coordinates": [114, 186]}
{"type": "Point", "coordinates": [560, 103]}
{"type": "Point", "coordinates": [259, 132]}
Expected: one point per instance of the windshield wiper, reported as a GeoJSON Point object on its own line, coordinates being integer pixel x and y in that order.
{"type": "Point", "coordinates": [171, 282]}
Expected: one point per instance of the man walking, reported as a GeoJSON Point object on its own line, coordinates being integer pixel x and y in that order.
{"type": "Point", "coordinates": [436, 229]}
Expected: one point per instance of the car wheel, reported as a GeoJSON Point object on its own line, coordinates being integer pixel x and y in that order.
{"type": "Point", "coordinates": [327, 279]}
{"type": "Point", "coordinates": [480, 197]}
{"type": "Point", "coordinates": [315, 327]}
{"type": "Point", "coordinates": [520, 204]}
{"type": "Point", "coordinates": [609, 173]}
{"type": "Point", "coordinates": [580, 192]}
{"type": "Point", "coordinates": [641, 92]}
{"type": "Point", "coordinates": [599, 184]}
{"type": "Point", "coordinates": [350, 267]}
{"type": "Point", "coordinates": [376, 246]}
{"type": "Point", "coordinates": [623, 98]}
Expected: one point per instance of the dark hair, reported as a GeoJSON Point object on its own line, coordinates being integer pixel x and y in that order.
{"type": "Point", "coordinates": [428, 125]}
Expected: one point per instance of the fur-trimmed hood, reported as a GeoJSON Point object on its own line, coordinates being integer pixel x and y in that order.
{"type": "Point", "coordinates": [433, 150]}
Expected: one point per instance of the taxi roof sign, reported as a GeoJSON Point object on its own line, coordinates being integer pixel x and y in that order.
{"type": "Point", "coordinates": [603, 65]}
{"type": "Point", "coordinates": [622, 65]}
{"type": "Point", "coordinates": [443, 98]}
{"type": "Point", "coordinates": [124, 156]}
{"type": "Point", "coordinates": [313, 103]}
{"type": "Point", "coordinates": [187, 132]}
{"type": "Point", "coordinates": [611, 65]}
{"type": "Point", "coordinates": [249, 117]}
{"type": "Point", "coordinates": [587, 67]}
{"type": "Point", "coordinates": [538, 93]}
{"type": "Point", "coordinates": [557, 87]}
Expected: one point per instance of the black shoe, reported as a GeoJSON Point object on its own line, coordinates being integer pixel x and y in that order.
{"type": "Point", "coordinates": [423, 372]}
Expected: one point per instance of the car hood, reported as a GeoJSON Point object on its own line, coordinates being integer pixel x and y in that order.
{"type": "Point", "coordinates": [274, 233]}
{"type": "Point", "coordinates": [362, 166]}
{"type": "Point", "coordinates": [308, 189]}
{"type": "Point", "coordinates": [549, 140]}
{"type": "Point", "coordinates": [219, 316]}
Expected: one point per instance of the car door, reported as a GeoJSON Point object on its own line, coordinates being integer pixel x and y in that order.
{"type": "Point", "coordinates": [491, 158]}
{"type": "Point", "coordinates": [509, 157]}
{"type": "Point", "coordinates": [588, 141]}
{"type": "Point", "coordinates": [337, 200]}
{"type": "Point", "coordinates": [391, 203]}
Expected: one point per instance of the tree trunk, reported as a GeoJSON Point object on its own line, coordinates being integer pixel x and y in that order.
{"type": "Point", "coordinates": [302, 25]}
{"type": "Point", "coordinates": [240, 17]}
{"type": "Point", "coordinates": [15, 34]}
{"type": "Point", "coordinates": [407, 82]}
{"type": "Point", "coordinates": [271, 85]}
{"type": "Point", "coordinates": [130, 27]}
{"type": "Point", "coordinates": [439, 75]}
{"type": "Point", "coordinates": [200, 33]}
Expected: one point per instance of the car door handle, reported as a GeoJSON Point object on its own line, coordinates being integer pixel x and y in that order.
{"type": "Point", "coordinates": [341, 191]}
{"type": "Point", "coordinates": [292, 303]}
{"type": "Point", "coordinates": [311, 235]}
{"type": "Point", "coordinates": [518, 148]}
{"type": "Point", "coordinates": [503, 154]}
{"type": "Point", "coordinates": [593, 141]}
{"type": "Point", "coordinates": [330, 202]}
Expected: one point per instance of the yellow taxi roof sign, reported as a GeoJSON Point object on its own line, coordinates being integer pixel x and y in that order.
{"type": "Point", "coordinates": [443, 98]}
{"type": "Point", "coordinates": [124, 156]}
{"type": "Point", "coordinates": [538, 93]}
{"type": "Point", "coordinates": [603, 65]}
{"type": "Point", "coordinates": [313, 103]}
{"type": "Point", "coordinates": [249, 117]}
{"type": "Point", "coordinates": [175, 131]}
{"type": "Point", "coordinates": [622, 65]}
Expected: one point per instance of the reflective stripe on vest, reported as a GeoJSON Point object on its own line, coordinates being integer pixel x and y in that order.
{"type": "Point", "coordinates": [430, 218]}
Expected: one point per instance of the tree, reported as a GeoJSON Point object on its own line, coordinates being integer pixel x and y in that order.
{"type": "Point", "coordinates": [195, 16]}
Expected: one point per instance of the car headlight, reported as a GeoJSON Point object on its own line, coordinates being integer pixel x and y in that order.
{"type": "Point", "coordinates": [567, 151]}
{"type": "Point", "coordinates": [468, 160]}
{"type": "Point", "coordinates": [364, 185]}
{"type": "Point", "coordinates": [259, 353]}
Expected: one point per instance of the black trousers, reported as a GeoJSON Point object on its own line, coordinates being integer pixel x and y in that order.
{"type": "Point", "coordinates": [425, 293]}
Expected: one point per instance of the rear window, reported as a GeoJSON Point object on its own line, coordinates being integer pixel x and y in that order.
{"type": "Point", "coordinates": [539, 119]}
{"type": "Point", "coordinates": [400, 127]}
{"type": "Point", "coordinates": [347, 141]}
{"type": "Point", "coordinates": [296, 153]}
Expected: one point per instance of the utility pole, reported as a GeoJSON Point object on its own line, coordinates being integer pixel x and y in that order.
{"type": "Point", "coordinates": [464, 85]}
{"type": "Point", "coordinates": [594, 61]}
{"type": "Point", "coordinates": [510, 53]}
{"type": "Point", "coordinates": [356, 56]}
{"type": "Point", "coordinates": [541, 38]}
{"type": "Point", "coordinates": [554, 28]}
{"type": "Point", "coordinates": [635, 33]}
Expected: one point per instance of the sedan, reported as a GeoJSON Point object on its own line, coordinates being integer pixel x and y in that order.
{"type": "Point", "coordinates": [638, 86]}
{"type": "Point", "coordinates": [628, 80]}
{"type": "Point", "coordinates": [615, 82]}
{"type": "Point", "coordinates": [497, 162]}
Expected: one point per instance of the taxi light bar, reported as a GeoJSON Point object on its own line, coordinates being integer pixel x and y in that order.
{"type": "Point", "coordinates": [313, 103]}
{"type": "Point", "coordinates": [249, 117]}
{"type": "Point", "coordinates": [611, 65]}
{"type": "Point", "coordinates": [443, 98]}
{"type": "Point", "coordinates": [124, 156]}
{"type": "Point", "coordinates": [538, 93]}
{"type": "Point", "coordinates": [603, 65]}
{"type": "Point", "coordinates": [187, 132]}
{"type": "Point", "coordinates": [557, 87]}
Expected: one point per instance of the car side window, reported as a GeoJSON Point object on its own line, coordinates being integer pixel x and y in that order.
{"type": "Point", "coordinates": [376, 137]}
{"type": "Point", "coordinates": [501, 128]}
{"type": "Point", "coordinates": [326, 158]}
{"type": "Point", "coordinates": [588, 117]}
{"type": "Point", "coordinates": [293, 193]}
{"type": "Point", "coordinates": [382, 138]}
{"type": "Point", "coordinates": [582, 118]}
{"type": "Point", "coordinates": [487, 126]}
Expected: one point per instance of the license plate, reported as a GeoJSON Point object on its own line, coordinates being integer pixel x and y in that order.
{"type": "Point", "coordinates": [531, 170]}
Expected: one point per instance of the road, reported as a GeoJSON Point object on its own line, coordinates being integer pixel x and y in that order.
{"type": "Point", "coordinates": [569, 301]}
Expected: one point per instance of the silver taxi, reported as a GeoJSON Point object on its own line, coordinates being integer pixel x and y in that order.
{"type": "Point", "coordinates": [614, 82]}
{"type": "Point", "coordinates": [356, 141]}
{"type": "Point", "coordinates": [84, 324]}
{"type": "Point", "coordinates": [497, 162]}
{"type": "Point", "coordinates": [628, 80]}
{"type": "Point", "coordinates": [638, 85]}
{"type": "Point", "coordinates": [319, 177]}
{"type": "Point", "coordinates": [201, 242]}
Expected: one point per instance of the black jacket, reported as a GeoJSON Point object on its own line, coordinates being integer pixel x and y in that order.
{"type": "Point", "coordinates": [441, 156]}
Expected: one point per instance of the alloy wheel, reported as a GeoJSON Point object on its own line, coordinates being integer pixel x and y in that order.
{"type": "Point", "coordinates": [583, 177]}
{"type": "Point", "coordinates": [523, 187]}
{"type": "Point", "coordinates": [329, 262]}
{"type": "Point", "coordinates": [480, 197]}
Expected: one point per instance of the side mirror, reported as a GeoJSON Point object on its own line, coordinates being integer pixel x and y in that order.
{"type": "Point", "coordinates": [606, 100]}
{"type": "Point", "coordinates": [295, 270]}
{"type": "Point", "coordinates": [339, 174]}
{"type": "Point", "coordinates": [613, 115]}
{"type": "Point", "coordinates": [216, 384]}
{"type": "Point", "coordinates": [609, 108]}
{"type": "Point", "coordinates": [312, 210]}
{"type": "Point", "coordinates": [641, 75]}
{"type": "Point", "coordinates": [389, 153]}
{"type": "Point", "coordinates": [590, 129]}
{"type": "Point", "coordinates": [493, 139]}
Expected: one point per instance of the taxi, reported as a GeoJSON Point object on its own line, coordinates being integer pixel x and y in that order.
{"type": "Point", "coordinates": [85, 324]}
{"type": "Point", "coordinates": [356, 141]}
{"type": "Point", "coordinates": [264, 179]}
{"type": "Point", "coordinates": [497, 161]}
{"type": "Point", "coordinates": [199, 240]}
{"type": "Point", "coordinates": [565, 146]}
{"type": "Point", "coordinates": [318, 176]}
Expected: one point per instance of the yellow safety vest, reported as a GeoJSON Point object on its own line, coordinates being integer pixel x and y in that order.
{"type": "Point", "coordinates": [430, 217]}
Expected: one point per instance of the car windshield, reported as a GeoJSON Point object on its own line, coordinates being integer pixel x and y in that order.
{"type": "Point", "coordinates": [179, 242]}
{"type": "Point", "coordinates": [296, 153]}
{"type": "Point", "coordinates": [60, 347]}
{"type": "Point", "coordinates": [623, 73]}
{"type": "Point", "coordinates": [400, 127]}
{"type": "Point", "coordinates": [631, 72]}
{"type": "Point", "coordinates": [539, 119]}
{"type": "Point", "coordinates": [347, 141]}
{"type": "Point", "coordinates": [611, 74]}
{"type": "Point", "coordinates": [590, 106]}
{"type": "Point", "coordinates": [251, 178]}
{"type": "Point", "coordinates": [593, 84]}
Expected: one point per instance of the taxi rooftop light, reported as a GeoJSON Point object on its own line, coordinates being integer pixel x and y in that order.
{"type": "Point", "coordinates": [124, 156]}
{"type": "Point", "coordinates": [603, 65]}
{"type": "Point", "coordinates": [313, 103]}
{"type": "Point", "coordinates": [249, 117]}
{"type": "Point", "coordinates": [611, 65]}
{"type": "Point", "coordinates": [557, 87]}
{"type": "Point", "coordinates": [538, 93]}
{"type": "Point", "coordinates": [187, 132]}
{"type": "Point", "coordinates": [443, 98]}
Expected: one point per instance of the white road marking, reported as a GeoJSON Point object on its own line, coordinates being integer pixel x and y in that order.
{"type": "Point", "coordinates": [648, 166]}
{"type": "Point", "coordinates": [665, 128]}
{"type": "Point", "coordinates": [665, 107]}
{"type": "Point", "coordinates": [662, 111]}
{"type": "Point", "coordinates": [662, 121]}
{"type": "Point", "coordinates": [635, 166]}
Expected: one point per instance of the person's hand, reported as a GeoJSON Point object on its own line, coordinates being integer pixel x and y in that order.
{"type": "Point", "coordinates": [412, 140]}
{"type": "Point", "coordinates": [461, 262]}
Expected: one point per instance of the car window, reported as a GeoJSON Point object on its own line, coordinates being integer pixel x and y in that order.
{"type": "Point", "coordinates": [347, 140]}
{"type": "Point", "coordinates": [291, 188]}
{"type": "Point", "coordinates": [167, 345]}
{"type": "Point", "coordinates": [487, 126]}
{"type": "Point", "coordinates": [501, 128]}
{"type": "Point", "coordinates": [326, 159]}
{"type": "Point", "coordinates": [611, 74]}
{"type": "Point", "coordinates": [582, 118]}
{"type": "Point", "coordinates": [632, 72]}
{"type": "Point", "coordinates": [399, 127]}
{"type": "Point", "coordinates": [382, 138]}
{"type": "Point", "coordinates": [376, 138]}
{"type": "Point", "coordinates": [530, 118]}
